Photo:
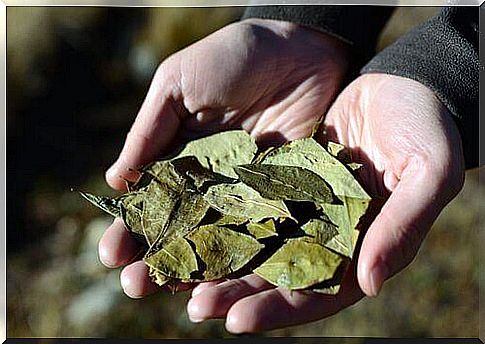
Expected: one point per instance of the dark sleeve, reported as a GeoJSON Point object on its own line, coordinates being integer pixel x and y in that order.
{"type": "Point", "coordinates": [359, 26]}
{"type": "Point", "coordinates": [442, 54]}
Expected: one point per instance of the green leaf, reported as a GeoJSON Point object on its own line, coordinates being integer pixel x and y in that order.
{"type": "Point", "coordinates": [175, 260]}
{"type": "Point", "coordinates": [335, 149]}
{"type": "Point", "coordinates": [131, 211]}
{"type": "Point", "coordinates": [220, 152]}
{"type": "Point", "coordinates": [230, 220]}
{"type": "Point", "coordinates": [332, 285]}
{"type": "Point", "coordinates": [159, 202]}
{"type": "Point", "coordinates": [354, 166]}
{"type": "Point", "coordinates": [308, 153]}
{"type": "Point", "coordinates": [354, 200]}
{"type": "Point", "coordinates": [262, 230]}
{"type": "Point", "coordinates": [189, 167]}
{"type": "Point", "coordinates": [201, 223]}
{"type": "Point", "coordinates": [164, 172]}
{"type": "Point", "coordinates": [223, 250]}
{"type": "Point", "coordinates": [346, 216]}
{"type": "Point", "coordinates": [320, 231]}
{"type": "Point", "coordinates": [330, 290]}
{"type": "Point", "coordinates": [107, 204]}
{"type": "Point", "coordinates": [239, 200]}
{"type": "Point", "coordinates": [299, 264]}
{"type": "Point", "coordinates": [147, 210]}
{"type": "Point", "coordinates": [158, 277]}
{"type": "Point", "coordinates": [342, 154]}
{"type": "Point", "coordinates": [280, 182]}
{"type": "Point", "coordinates": [185, 216]}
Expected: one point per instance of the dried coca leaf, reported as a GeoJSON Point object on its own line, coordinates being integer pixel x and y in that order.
{"type": "Point", "coordinates": [337, 150]}
{"type": "Point", "coordinates": [230, 220]}
{"type": "Point", "coordinates": [190, 168]}
{"type": "Point", "coordinates": [164, 172]}
{"type": "Point", "coordinates": [319, 231]}
{"type": "Point", "coordinates": [343, 155]}
{"type": "Point", "coordinates": [131, 212]}
{"type": "Point", "coordinates": [109, 205]}
{"type": "Point", "coordinates": [281, 182]}
{"type": "Point", "coordinates": [330, 290]}
{"type": "Point", "coordinates": [221, 152]}
{"type": "Point", "coordinates": [188, 212]}
{"type": "Point", "coordinates": [354, 201]}
{"type": "Point", "coordinates": [332, 285]}
{"type": "Point", "coordinates": [346, 216]}
{"type": "Point", "coordinates": [206, 212]}
{"type": "Point", "coordinates": [158, 204]}
{"type": "Point", "coordinates": [158, 277]}
{"type": "Point", "coordinates": [223, 250]}
{"type": "Point", "coordinates": [299, 264]}
{"type": "Point", "coordinates": [240, 200]}
{"type": "Point", "coordinates": [263, 229]}
{"type": "Point", "coordinates": [174, 260]}
{"type": "Point", "coordinates": [308, 153]}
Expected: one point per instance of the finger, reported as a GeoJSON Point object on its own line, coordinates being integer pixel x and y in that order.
{"type": "Point", "coordinates": [277, 308]}
{"type": "Point", "coordinates": [396, 234]}
{"type": "Point", "coordinates": [153, 130]}
{"type": "Point", "coordinates": [203, 286]}
{"type": "Point", "coordinates": [117, 247]}
{"type": "Point", "coordinates": [135, 281]}
{"type": "Point", "coordinates": [214, 302]}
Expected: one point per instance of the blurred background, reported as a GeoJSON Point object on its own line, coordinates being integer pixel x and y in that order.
{"type": "Point", "coordinates": [76, 78]}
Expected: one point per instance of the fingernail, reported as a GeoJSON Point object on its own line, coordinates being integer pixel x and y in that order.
{"type": "Point", "coordinates": [378, 275]}
{"type": "Point", "coordinates": [194, 312]}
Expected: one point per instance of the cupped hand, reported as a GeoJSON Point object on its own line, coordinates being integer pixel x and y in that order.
{"type": "Point", "coordinates": [274, 79]}
{"type": "Point", "coordinates": [412, 155]}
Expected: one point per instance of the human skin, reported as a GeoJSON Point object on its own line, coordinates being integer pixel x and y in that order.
{"type": "Point", "coordinates": [412, 155]}
{"type": "Point", "coordinates": [276, 80]}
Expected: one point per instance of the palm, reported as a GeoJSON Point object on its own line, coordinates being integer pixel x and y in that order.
{"type": "Point", "coordinates": [234, 78]}
{"type": "Point", "coordinates": [279, 87]}
{"type": "Point", "coordinates": [411, 153]}
{"type": "Point", "coordinates": [395, 126]}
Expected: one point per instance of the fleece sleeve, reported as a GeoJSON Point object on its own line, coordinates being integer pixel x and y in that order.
{"type": "Point", "coordinates": [442, 54]}
{"type": "Point", "coordinates": [359, 26]}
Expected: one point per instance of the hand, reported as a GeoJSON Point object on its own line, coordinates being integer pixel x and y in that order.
{"type": "Point", "coordinates": [274, 79]}
{"type": "Point", "coordinates": [412, 154]}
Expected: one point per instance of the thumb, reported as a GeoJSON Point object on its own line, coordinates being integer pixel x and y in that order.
{"type": "Point", "coordinates": [155, 127]}
{"type": "Point", "coordinates": [396, 234]}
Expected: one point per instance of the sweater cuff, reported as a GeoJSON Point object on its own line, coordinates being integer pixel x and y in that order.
{"type": "Point", "coordinates": [359, 26]}
{"type": "Point", "coordinates": [442, 54]}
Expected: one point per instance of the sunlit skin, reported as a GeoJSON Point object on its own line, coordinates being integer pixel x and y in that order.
{"type": "Point", "coordinates": [278, 78]}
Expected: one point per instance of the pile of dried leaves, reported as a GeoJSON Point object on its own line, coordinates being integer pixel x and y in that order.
{"type": "Point", "coordinates": [220, 208]}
